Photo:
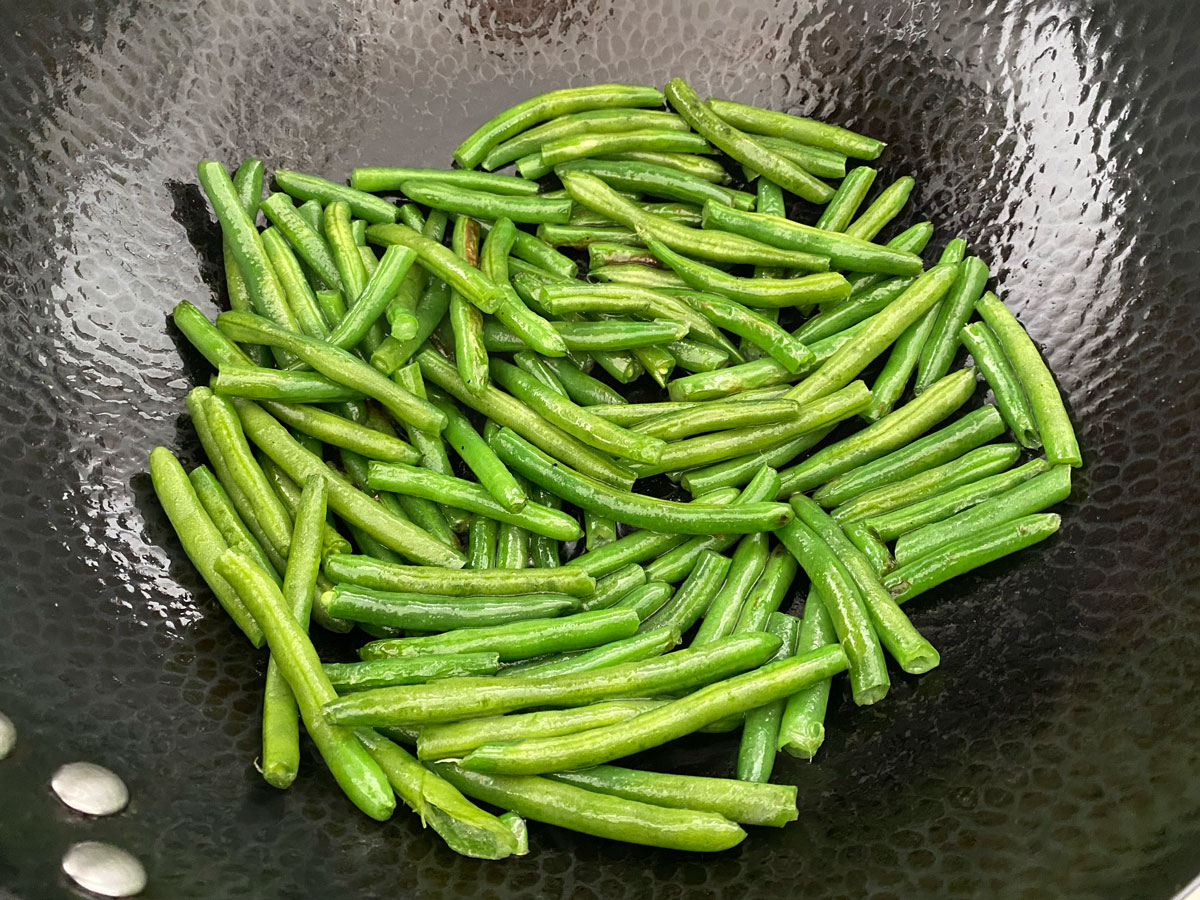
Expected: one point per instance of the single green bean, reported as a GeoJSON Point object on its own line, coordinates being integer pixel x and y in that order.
{"type": "Point", "coordinates": [349, 261]}
{"type": "Point", "coordinates": [201, 540]}
{"type": "Point", "coordinates": [658, 181]}
{"type": "Point", "coordinates": [680, 213]}
{"type": "Point", "coordinates": [486, 205]}
{"type": "Point", "coordinates": [257, 383]}
{"type": "Point", "coordinates": [370, 573]}
{"type": "Point", "coordinates": [296, 289]}
{"type": "Point", "coordinates": [797, 128]}
{"type": "Point", "coordinates": [510, 412]}
{"type": "Point", "coordinates": [837, 317]}
{"type": "Point", "coordinates": [425, 613]}
{"type": "Point", "coordinates": [481, 543]}
{"type": "Point", "coordinates": [871, 547]}
{"type": "Point", "coordinates": [1023, 499]}
{"type": "Point", "coordinates": [356, 773]}
{"type": "Point", "coordinates": [633, 414]}
{"type": "Point", "coordinates": [658, 726]}
{"type": "Point", "coordinates": [632, 649]}
{"type": "Point", "coordinates": [971, 467]}
{"type": "Point", "coordinates": [846, 200]}
{"type": "Point", "coordinates": [634, 509]}
{"type": "Point", "coordinates": [1010, 397]}
{"type": "Point", "coordinates": [694, 596]}
{"type": "Point", "coordinates": [247, 183]}
{"type": "Point", "coordinates": [453, 740]}
{"type": "Point", "coordinates": [308, 243]}
{"type": "Point", "coordinates": [512, 547]}
{"type": "Point", "coordinates": [207, 338]}
{"type": "Point", "coordinates": [911, 240]}
{"type": "Point", "coordinates": [360, 203]}
{"type": "Point", "coordinates": [591, 121]}
{"type": "Point", "coordinates": [882, 210]}
{"type": "Point", "coordinates": [1053, 423]}
{"type": "Point", "coordinates": [581, 146]}
{"type": "Point", "coordinates": [532, 364]}
{"type": "Point", "coordinates": [767, 595]}
{"type": "Point", "coordinates": [646, 600]}
{"type": "Point", "coordinates": [953, 313]}
{"type": "Point", "coordinates": [364, 676]}
{"type": "Point", "coordinates": [972, 430]}
{"type": "Point", "coordinates": [442, 262]}
{"type": "Point", "coordinates": [341, 432]}
{"type": "Point", "coordinates": [802, 726]}
{"type": "Point", "coordinates": [754, 327]}
{"type": "Point", "coordinates": [385, 179]}
{"type": "Point", "coordinates": [380, 289]}
{"type": "Point", "coordinates": [869, 680]}
{"type": "Point", "coordinates": [602, 254]}
{"type": "Point", "coordinates": [224, 515]}
{"type": "Point", "coordinates": [716, 416]}
{"type": "Point", "coordinates": [581, 387]}
{"type": "Point", "coordinates": [658, 361]}
{"type": "Point", "coordinates": [771, 293]}
{"type": "Point", "coordinates": [636, 275]}
{"type": "Point", "coordinates": [697, 357]}
{"type": "Point", "coordinates": [742, 147]}
{"type": "Point", "coordinates": [969, 551]}
{"type": "Point", "coordinates": [747, 564]}
{"type": "Point", "coordinates": [756, 752]}
{"type": "Point", "coordinates": [815, 160]}
{"type": "Point", "coordinates": [333, 307]}
{"type": "Point", "coordinates": [352, 505]}
{"type": "Point", "coordinates": [598, 530]}
{"type": "Point", "coordinates": [737, 471]}
{"type": "Point", "coordinates": [583, 236]}
{"type": "Point", "coordinates": [688, 163]}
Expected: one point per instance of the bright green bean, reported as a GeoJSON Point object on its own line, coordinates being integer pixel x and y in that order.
{"type": "Point", "coordinates": [208, 339]}
{"type": "Point", "coordinates": [364, 676]}
{"type": "Point", "coordinates": [580, 146]}
{"type": "Point", "coordinates": [694, 596]}
{"type": "Point", "coordinates": [716, 416]}
{"type": "Point", "coordinates": [342, 432]}
{"type": "Point", "coordinates": [598, 530]}
{"type": "Point", "coordinates": [442, 262]}
{"type": "Point", "coordinates": [768, 592]}
{"type": "Point", "coordinates": [754, 327]}
{"type": "Point", "coordinates": [796, 128]}
{"type": "Point", "coordinates": [882, 210]}
{"type": "Point", "coordinates": [953, 313]}
{"type": "Point", "coordinates": [770, 293]}
{"type": "Point", "coordinates": [846, 199]}
{"type": "Point", "coordinates": [512, 547]}
{"type": "Point", "coordinates": [360, 203]}
{"type": "Point", "coordinates": [1002, 379]}
{"type": "Point", "coordinates": [688, 163]}
{"type": "Point", "coordinates": [747, 564]}
{"type": "Point", "coordinates": [380, 289]}
{"type": "Point", "coordinates": [756, 753]}
{"type": "Point", "coordinates": [871, 547]}
{"type": "Point", "coordinates": [592, 121]}
{"type": "Point", "coordinates": [257, 383]}
{"type": "Point", "coordinates": [481, 543]}
{"type": "Point", "coordinates": [485, 205]}
{"type": "Point", "coordinates": [658, 181]}
{"type": "Point", "coordinates": [384, 179]}
{"type": "Point", "coordinates": [224, 515]}
{"type": "Point", "coordinates": [423, 612]}
{"type": "Point", "coordinates": [631, 649]}
{"type": "Point", "coordinates": [308, 243]}
{"type": "Point", "coordinates": [296, 289]}
{"type": "Point", "coordinates": [370, 573]}
{"type": "Point", "coordinates": [802, 726]}
{"type": "Point", "coordinates": [581, 387]}
{"type": "Point", "coordinates": [837, 317]}
{"type": "Point", "coordinates": [646, 600]}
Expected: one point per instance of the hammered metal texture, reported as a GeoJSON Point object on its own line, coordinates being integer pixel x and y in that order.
{"type": "Point", "coordinates": [1054, 753]}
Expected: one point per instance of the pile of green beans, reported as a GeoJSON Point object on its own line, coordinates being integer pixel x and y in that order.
{"type": "Point", "coordinates": [437, 395]}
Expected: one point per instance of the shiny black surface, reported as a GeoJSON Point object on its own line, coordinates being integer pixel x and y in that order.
{"type": "Point", "coordinates": [1054, 753]}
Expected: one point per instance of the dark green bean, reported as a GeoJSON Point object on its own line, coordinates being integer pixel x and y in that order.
{"type": "Point", "coordinates": [485, 205]}
{"type": "Point", "coordinates": [364, 676]}
{"type": "Point", "coordinates": [1024, 499]}
{"type": "Point", "coordinates": [737, 471]}
{"type": "Point", "coordinates": [694, 596]}
{"type": "Point", "coordinates": [756, 753]}
{"type": "Point", "coordinates": [384, 179]}
{"type": "Point", "coordinates": [747, 564]}
{"type": "Point", "coordinates": [742, 147]}
{"type": "Point", "coordinates": [796, 128]}
{"type": "Point", "coordinates": [869, 680]}
{"type": "Point", "coordinates": [1053, 423]}
{"type": "Point", "coordinates": [380, 289]}
{"type": "Point", "coordinates": [754, 327]}
{"type": "Point", "coordinates": [310, 187]}
{"type": "Point", "coordinates": [953, 313]}
{"type": "Point", "coordinates": [802, 726]}
{"type": "Point", "coordinates": [308, 243]}
{"type": "Point", "coordinates": [665, 723]}
{"type": "Point", "coordinates": [966, 552]}
{"type": "Point", "coordinates": [1002, 379]}
{"type": "Point", "coordinates": [770, 293]}
{"type": "Point", "coordinates": [658, 181]}
{"type": "Point", "coordinates": [972, 430]}
{"type": "Point", "coordinates": [717, 416]}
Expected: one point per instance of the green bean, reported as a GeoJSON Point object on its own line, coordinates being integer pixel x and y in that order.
{"type": "Point", "coordinates": [968, 551]}
{"type": "Point", "coordinates": [579, 237]}
{"type": "Point", "coordinates": [953, 313]}
{"type": "Point", "coordinates": [815, 160]}
{"type": "Point", "coordinates": [694, 596]}
{"type": "Point", "coordinates": [537, 109]}
{"type": "Point", "coordinates": [431, 613]}
{"type": "Point", "coordinates": [633, 414]}
{"type": "Point", "coordinates": [756, 753]}
{"type": "Point", "coordinates": [680, 213]}
{"type": "Point", "coordinates": [634, 509]}
{"type": "Point", "coordinates": [748, 803]}
{"type": "Point", "coordinates": [846, 199]}
{"type": "Point", "coordinates": [360, 203]}
{"type": "Point", "coordinates": [658, 726]}
{"type": "Point", "coordinates": [1010, 397]}
{"type": "Point", "coordinates": [338, 365]}
{"type": "Point", "coordinates": [906, 645]}
{"type": "Point", "coordinates": [740, 442]}
{"type": "Point", "coordinates": [308, 243]}
{"type": "Point", "coordinates": [481, 543]}
{"type": "Point", "coordinates": [891, 525]}
{"type": "Point", "coordinates": [272, 384]}
{"type": "Point", "coordinates": [592, 121]}
{"type": "Point", "coordinates": [844, 250]}
{"type": "Point", "coordinates": [1053, 423]}
{"type": "Point", "coordinates": [972, 466]}
{"type": "Point", "coordinates": [442, 262]}
{"type": "Point", "coordinates": [769, 293]}
{"type": "Point", "coordinates": [201, 540]}
{"type": "Point", "coordinates": [352, 505]}
{"type": "Point", "coordinates": [513, 641]}
{"type": "Point", "coordinates": [687, 163]}
{"type": "Point", "coordinates": [296, 290]}
{"type": "Point", "coordinates": [599, 815]}
{"type": "Point", "coordinates": [464, 827]}
{"type": "Point", "coordinates": [474, 451]}
{"type": "Point", "coordinates": [836, 587]}
{"type": "Point", "coordinates": [697, 357]}
{"type": "Point", "coordinates": [224, 515]}
{"type": "Point", "coordinates": [485, 205]}
{"type": "Point", "coordinates": [512, 547]}
{"type": "Point", "coordinates": [646, 600]}
{"type": "Point", "coordinates": [802, 726]}
{"type": "Point", "coordinates": [461, 494]}
{"type": "Point", "coordinates": [598, 530]}
{"type": "Point", "coordinates": [207, 338]}
{"type": "Point", "coordinates": [576, 420]}
{"type": "Point", "coordinates": [871, 547]}
{"type": "Point", "coordinates": [735, 472]}
{"type": "Point", "coordinates": [754, 327]}
{"type": "Point", "coordinates": [312, 213]}
{"type": "Point", "coordinates": [891, 432]}
{"type": "Point", "coordinates": [448, 701]}
{"type": "Point", "coordinates": [638, 276]}
{"type": "Point", "coordinates": [658, 362]}
{"type": "Point", "coordinates": [580, 146]}
{"type": "Point", "coordinates": [246, 245]}
{"type": "Point", "coordinates": [972, 430]}
{"type": "Point", "coordinates": [425, 514]}
{"type": "Point", "coordinates": [912, 240]}
{"type": "Point", "coordinates": [465, 318]}
{"type": "Point", "coordinates": [346, 257]}
{"type": "Point", "coordinates": [402, 310]}
{"type": "Point", "coordinates": [341, 432]}
{"type": "Point", "coordinates": [369, 573]}
{"type": "Point", "coordinates": [837, 317]}
{"type": "Point", "coordinates": [364, 676]}
{"type": "Point", "coordinates": [374, 298]}
{"type": "Point", "coordinates": [718, 416]}
{"type": "Point", "coordinates": [882, 210]}
{"type": "Point", "coordinates": [280, 722]}
{"type": "Point", "coordinates": [382, 179]}
{"type": "Point", "coordinates": [676, 562]}
{"type": "Point", "coordinates": [1028, 497]}
{"type": "Point", "coordinates": [658, 181]}
{"type": "Point", "coordinates": [602, 255]}
{"type": "Point", "coordinates": [631, 649]}
{"type": "Point", "coordinates": [357, 774]}
{"type": "Point", "coordinates": [768, 592]}
{"type": "Point", "coordinates": [509, 412]}
{"type": "Point", "coordinates": [796, 128]}
{"type": "Point", "coordinates": [247, 184]}
{"type": "Point", "coordinates": [333, 307]}
{"type": "Point", "coordinates": [392, 354]}
{"type": "Point", "coordinates": [535, 366]}
{"type": "Point", "coordinates": [595, 194]}
{"type": "Point", "coordinates": [879, 333]}
{"type": "Point", "coordinates": [748, 562]}
{"type": "Point", "coordinates": [532, 249]}
{"type": "Point", "coordinates": [742, 147]}
{"type": "Point", "coordinates": [581, 387]}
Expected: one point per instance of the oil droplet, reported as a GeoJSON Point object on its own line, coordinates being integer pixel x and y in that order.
{"type": "Point", "coordinates": [89, 788]}
{"type": "Point", "coordinates": [8, 735]}
{"type": "Point", "coordinates": [104, 869]}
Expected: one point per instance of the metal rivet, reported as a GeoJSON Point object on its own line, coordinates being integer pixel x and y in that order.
{"type": "Point", "coordinates": [91, 789]}
{"type": "Point", "coordinates": [104, 869]}
{"type": "Point", "coordinates": [8, 735]}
